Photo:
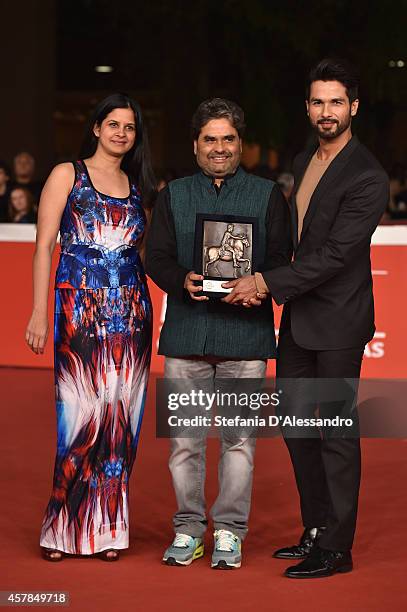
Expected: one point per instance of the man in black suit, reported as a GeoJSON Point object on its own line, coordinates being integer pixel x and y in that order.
{"type": "Point", "coordinates": [339, 195]}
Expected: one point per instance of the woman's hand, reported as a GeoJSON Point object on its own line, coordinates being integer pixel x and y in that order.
{"type": "Point", "coordinates": [37, 332]}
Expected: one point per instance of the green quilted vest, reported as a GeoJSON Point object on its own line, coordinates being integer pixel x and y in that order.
{"type": "Point", "coordinates": [212, 327]}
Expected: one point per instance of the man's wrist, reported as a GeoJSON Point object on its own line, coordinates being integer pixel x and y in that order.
{"type": "Point", "coordinates": [261, 286]}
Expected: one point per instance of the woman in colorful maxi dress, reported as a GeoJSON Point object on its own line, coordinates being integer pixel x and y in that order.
{"type": "Point", "coordinates": [103, 323]}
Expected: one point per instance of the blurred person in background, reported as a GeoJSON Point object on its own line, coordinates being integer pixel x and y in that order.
{"type": "Point", "coordinates": [397, 208]}
{"type": "Point", "coordinates": [4, 191]}
{"type": "Point", "coordinates": [400, 208]}
{"type": "Point", "coordinates": [270, 168]}
{"type": "Point", "coordinates": [164, 177]}
{"type": "Point", "coordinates": [103, 325]}
{"type": "Point", "coordinates": [21, 207]}
{"type": "Point", "coordinates": [24, 174]}
{"type": "Point", "coordinates": [286, 182]}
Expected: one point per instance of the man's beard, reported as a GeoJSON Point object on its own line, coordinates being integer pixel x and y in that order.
{"type": "Point", "coordinates": [340, 128]}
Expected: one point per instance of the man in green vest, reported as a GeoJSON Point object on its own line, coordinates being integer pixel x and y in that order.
{"type": "Point", "coordinates": [206, 339]}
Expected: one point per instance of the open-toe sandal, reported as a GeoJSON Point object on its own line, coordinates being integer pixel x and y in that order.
{"type": "Point", "coordinates": [52, 554]}
{"type": "Point", "coordinates": [111, 554]}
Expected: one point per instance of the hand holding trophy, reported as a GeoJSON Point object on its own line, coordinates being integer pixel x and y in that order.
{"type": "Point", "coordinates": [225, 251]}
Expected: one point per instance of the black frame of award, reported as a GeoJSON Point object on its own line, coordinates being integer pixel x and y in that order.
{"type": "Point", "coordinates": [211, 283]}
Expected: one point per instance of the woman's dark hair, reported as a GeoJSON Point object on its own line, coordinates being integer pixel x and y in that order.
{"type": "Point", "coordinates": [5, 167]}
{"type": "Point", "coordinates": [137, 162]}
{"type": "Point", "coordinates": [12, 213]}
{"type": "Point", "coordinates": [217, 108]}
{"type": "Point", "coordinates": [340, 70]}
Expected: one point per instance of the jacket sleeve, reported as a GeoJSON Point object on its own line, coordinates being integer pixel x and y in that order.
{"type": "Point", "coordinates": [278, 231]}
{"type": "Point", "coordinates": [357, 218]}
{"type": "Point", "coordinates": [161, 250]}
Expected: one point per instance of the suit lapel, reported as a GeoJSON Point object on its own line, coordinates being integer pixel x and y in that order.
{"type": "Point", "coordinates": [329, 177]}
{"type": "Point", "coordinates": [301, 166]}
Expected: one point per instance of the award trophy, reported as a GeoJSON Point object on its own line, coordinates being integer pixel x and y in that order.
{"type": "Point", "coordinates": [225, 249]}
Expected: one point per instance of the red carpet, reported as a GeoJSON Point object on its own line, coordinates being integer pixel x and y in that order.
{"type": "Point", "coordinates": [139, 581]}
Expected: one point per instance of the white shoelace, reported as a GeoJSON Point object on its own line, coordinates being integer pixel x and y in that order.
{"type": "Point", "coordinates": [225, 540]}
{"type": "Point", "coordinates": [181, 540]}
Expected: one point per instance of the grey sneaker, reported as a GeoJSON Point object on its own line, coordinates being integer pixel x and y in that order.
{"type": "Point", "coordinates": [183, 550]}
{"type": "Point", "coordinates": [227, 553]}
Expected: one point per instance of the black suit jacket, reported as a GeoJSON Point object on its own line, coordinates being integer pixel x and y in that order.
{"type": "Point", "coordinates": [329, 282]}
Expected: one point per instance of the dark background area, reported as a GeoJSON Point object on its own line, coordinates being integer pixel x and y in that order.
{"type": "Point", "coordinates": [172, 55]}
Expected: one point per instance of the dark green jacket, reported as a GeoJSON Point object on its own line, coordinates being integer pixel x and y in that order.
{"type": "Point", "coordinates": [213, 328]}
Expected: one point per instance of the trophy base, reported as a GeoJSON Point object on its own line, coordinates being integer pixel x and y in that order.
{"type": "Point", "coordinates": [212, 288]}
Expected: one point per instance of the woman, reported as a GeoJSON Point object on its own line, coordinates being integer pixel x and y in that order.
{"type": "Point", "coordinates": [21, 207]}
{"type": "Point", "coordinates": [4, 191]}
{"type": "Point", "coordinates": [103, 325]}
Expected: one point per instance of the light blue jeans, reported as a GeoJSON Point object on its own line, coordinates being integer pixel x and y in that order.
{"type": "Point", "coordinates": [188, 456]}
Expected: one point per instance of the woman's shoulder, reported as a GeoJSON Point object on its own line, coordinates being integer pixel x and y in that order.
{"type": "Point", "coordinates": [64, 169]}
{"type": "Point", "coordinates": [61, 177]}
{"type": "Point", "coordinates": [63, 173]}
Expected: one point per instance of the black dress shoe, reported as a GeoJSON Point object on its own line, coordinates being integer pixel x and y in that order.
{"type": "Point", "coordinates": [321, 564]}
{"type": "Point", "coordinates": [301, 550]}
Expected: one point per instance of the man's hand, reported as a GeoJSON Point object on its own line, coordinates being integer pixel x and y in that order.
{"type": "Point", "coordinates": [244, 292]}
{"type": "Point", "coordinates": [193, 289]}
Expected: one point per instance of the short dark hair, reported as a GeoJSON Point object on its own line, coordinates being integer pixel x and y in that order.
{"type": "Point", "coordinates": [332, 69]}
{"type": "Point", "coordinates": [217, 108]}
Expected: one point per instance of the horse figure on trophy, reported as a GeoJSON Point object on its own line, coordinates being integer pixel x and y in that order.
{"type": "Point", "coordinates": [231, 249]}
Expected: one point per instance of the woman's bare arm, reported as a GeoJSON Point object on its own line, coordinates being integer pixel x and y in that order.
{"type": "Point", "coordinates": [51, 208]}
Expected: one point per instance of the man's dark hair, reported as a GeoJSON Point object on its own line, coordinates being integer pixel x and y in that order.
{"type": "Point", "coordinates": [330, 69]}
{"type": "Point", "coordinates": [217, 108]}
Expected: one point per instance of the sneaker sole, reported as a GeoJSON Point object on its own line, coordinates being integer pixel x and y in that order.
{"type": "Point", "coordinates": [199, 552]}
{"type": "Point", "coordinates": [222, 565]}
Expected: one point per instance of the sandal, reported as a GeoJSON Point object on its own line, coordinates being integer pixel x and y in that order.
{"type": "Point", "coordinates": [52, 554]}
{"type": "Point", "coordinates": [110, 554]}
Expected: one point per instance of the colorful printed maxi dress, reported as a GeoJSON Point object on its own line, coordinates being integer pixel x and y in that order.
{"type": "Point", "coordinates": [103, 323]}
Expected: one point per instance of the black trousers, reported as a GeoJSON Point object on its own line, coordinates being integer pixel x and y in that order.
{"type": "Point", "coordinates": [327, 468]}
